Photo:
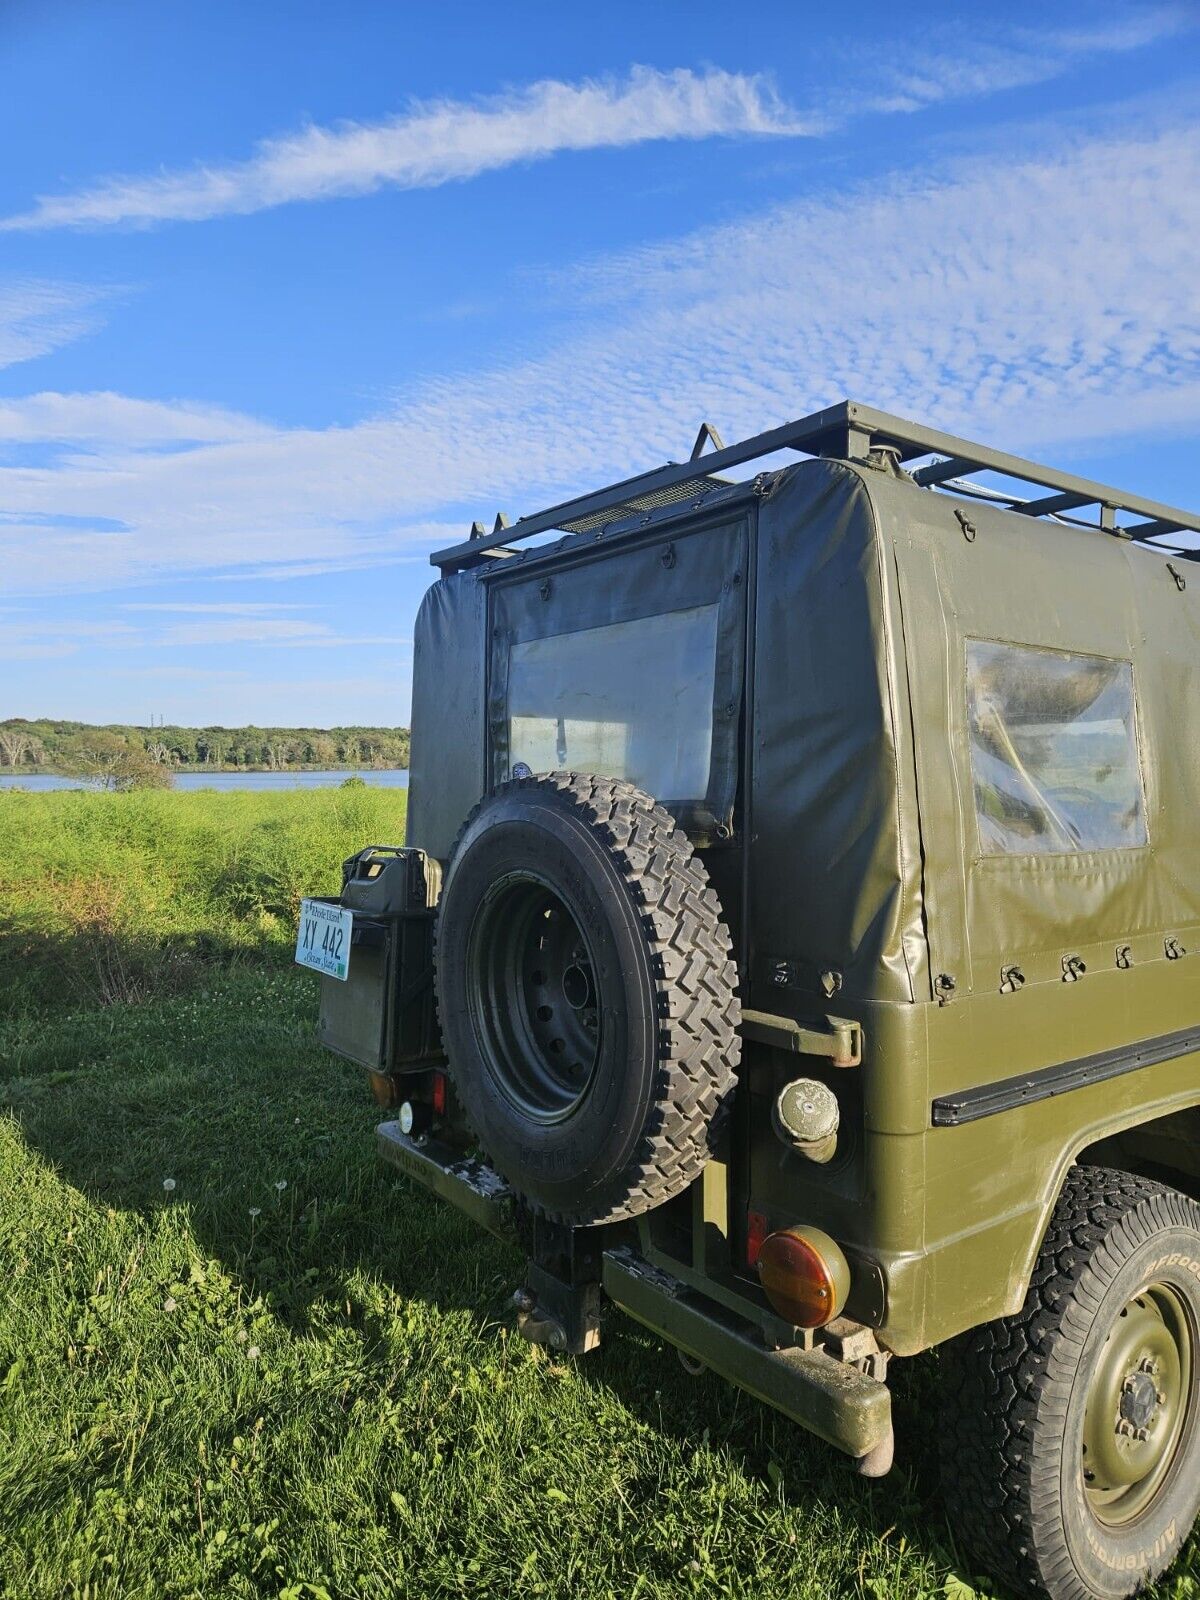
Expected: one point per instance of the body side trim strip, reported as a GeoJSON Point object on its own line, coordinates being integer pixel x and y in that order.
{"type": "Point", "coordinates": [968, 1105]}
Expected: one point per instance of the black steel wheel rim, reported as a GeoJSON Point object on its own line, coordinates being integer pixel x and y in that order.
{"type": "Point", "coordinates": [534, 997]}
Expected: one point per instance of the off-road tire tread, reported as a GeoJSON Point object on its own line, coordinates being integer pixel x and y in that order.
{"type": "Point", "coordinates": [1003, 1383]}
{"type": "Point", "coordinates": [695, 979]}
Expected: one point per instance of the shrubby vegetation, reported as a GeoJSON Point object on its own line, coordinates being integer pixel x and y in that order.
{"type": "Point", "coordinates": [110, 761]}
{"type": "Point", "coordinates": [54, 746]}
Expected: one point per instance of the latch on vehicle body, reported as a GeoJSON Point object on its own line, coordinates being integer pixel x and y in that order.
{"type": "Point", "coordinates": [840, 1040]}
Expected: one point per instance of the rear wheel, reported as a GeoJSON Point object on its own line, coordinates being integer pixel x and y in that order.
{"type": "Point", "coordinates": [1071, 1432]}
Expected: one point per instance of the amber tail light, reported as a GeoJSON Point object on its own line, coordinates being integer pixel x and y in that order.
{"type": "Point", "coordinates": [804, 1275]}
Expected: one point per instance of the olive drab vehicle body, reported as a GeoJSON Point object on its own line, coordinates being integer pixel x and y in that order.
{"type": "Point", "coordinates": [913, 729]}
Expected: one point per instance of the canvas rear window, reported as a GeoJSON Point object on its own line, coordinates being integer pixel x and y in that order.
{"type": "Point", "coordinates": [627, 661]}
{"type": "Point", "coordinates": [630, 700]}
{"type": "Point", "coordinates": [1054, 755]}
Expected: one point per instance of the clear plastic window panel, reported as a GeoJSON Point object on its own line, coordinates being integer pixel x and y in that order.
{"type": "Point", "coordinates": [629, 700]}
{"type": "Point", "coordinates": [1054, 754]}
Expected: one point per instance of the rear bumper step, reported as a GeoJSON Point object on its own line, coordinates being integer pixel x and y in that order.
{"type": "Point", "coordinates": [836, 1401]}
{"type": "Point", "coordinates": [470, 1185]}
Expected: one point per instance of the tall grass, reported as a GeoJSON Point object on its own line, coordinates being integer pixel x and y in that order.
{"type": "Point", "coordinates": [118, 897]}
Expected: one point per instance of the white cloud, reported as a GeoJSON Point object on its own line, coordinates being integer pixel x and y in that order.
{"type": "Point", "coordinates": [435, 143]}
{"type": "Point", "coordinates": [1122, 30]}
{"type": "Point", "coordinates": [1037, 306]}
{"type": "Point", "coordinates": [395, 554]}
{"type": "Point", "coordinates": [106, 418]}
{"type": "Point", "coordinates": [972, 64]}
{"type": "Point", "coordinates": [37, 640]}
{"type": "Point", "coordinates": [37, 316]}
{"type": "Point", "coordinates": [236, 608]}
{"type": "Point", "coordinates": [290, 633]}
{"type": "Point", "coordinates": [26, 637]}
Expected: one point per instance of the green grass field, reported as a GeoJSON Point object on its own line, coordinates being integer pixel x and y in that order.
{"type": "Point", "coordinates": [239, 1358]}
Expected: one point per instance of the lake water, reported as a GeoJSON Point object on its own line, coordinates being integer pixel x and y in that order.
{"type": "Point", "coordinates": [389, 778]}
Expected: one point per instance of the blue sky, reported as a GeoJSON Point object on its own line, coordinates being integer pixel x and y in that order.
{"type": "Point", "coordinates": [291, 293]}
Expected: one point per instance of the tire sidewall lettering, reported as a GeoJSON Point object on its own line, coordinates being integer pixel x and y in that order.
{"type": "Point", "coordinates": [1151, 1540]}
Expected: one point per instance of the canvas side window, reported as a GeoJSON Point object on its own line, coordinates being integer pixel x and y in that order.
{"type": "Point", "coordinates": [1054, 757]}
{"type": "Point", "coordinates": [630, 700]}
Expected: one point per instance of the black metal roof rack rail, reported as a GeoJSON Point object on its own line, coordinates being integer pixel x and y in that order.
{"type": "Point", "coordinates": [851, 431]}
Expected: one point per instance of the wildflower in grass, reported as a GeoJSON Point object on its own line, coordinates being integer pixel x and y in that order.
{"type": "Point", "coordinates": [255, 1211]}
{"type": "Point", "coordinates": [169, 1303]}
{"type": "Point", "coordinates": [281, 1185]}
{"type": "Point", "coordinates": [253, 1353]}
{"type": "Point", "coordinates": [168, 1184]}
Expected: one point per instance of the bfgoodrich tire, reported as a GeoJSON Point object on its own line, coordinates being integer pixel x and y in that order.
{"type": "Point", "coordinates": [1071, 1432]}
{"type": "Point", "coordinates": [585, 988]}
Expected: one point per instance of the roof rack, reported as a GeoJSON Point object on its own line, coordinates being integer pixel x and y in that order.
{"type": "Point", "coordinates": [851, 431]}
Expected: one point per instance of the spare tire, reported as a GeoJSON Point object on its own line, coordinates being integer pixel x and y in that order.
{"type": "Point", "coordinates": [586, 990]}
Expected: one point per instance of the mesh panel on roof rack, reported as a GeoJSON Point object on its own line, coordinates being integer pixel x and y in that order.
{"type": "Point", "coordinates": [670, 496]}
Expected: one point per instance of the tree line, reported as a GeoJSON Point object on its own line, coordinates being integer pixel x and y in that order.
{"type": "Point", "coordinates": [47, 745]}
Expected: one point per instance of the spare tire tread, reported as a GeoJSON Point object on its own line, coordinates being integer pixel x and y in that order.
{"type": "Point", "coordinates": [695, 977]}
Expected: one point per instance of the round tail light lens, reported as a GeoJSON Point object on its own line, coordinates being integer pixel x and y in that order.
{"type": "Point", "coordinates": [804, 1275]}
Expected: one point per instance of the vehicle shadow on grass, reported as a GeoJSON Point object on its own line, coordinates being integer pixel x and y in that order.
{"type": "Point", "coordinates": [221, 1091]}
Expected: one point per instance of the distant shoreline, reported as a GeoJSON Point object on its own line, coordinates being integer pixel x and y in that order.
{"type": "Point", "coordinates": [61, 749]}
{"type": "Point", "coordinates": [46, 770]}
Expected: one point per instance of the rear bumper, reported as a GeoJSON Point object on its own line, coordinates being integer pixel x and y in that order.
{"type": "Point", "coordinates": [836, 1401]}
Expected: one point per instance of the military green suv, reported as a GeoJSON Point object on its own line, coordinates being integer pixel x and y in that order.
{"type": "Point", "coordinates": [797, 945]}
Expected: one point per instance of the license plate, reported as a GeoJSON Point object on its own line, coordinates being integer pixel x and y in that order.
{"type": "Point", "coordinates": [323, 939]}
